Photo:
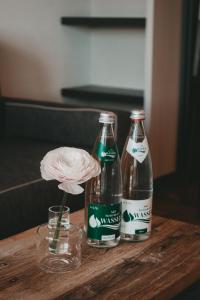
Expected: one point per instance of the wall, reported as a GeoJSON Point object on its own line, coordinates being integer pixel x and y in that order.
{"type": "Point", "coordinates": [117, 55]}
{"type": "Point", "coordinates": [38, 56]}
{"type": "Point", "coordinates": [162, 95]}
{"type": "Point", "coordinates": [119, 8]}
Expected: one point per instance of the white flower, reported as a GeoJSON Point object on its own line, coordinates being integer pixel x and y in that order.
{"type": "Point", "coordinates": [70, 166]}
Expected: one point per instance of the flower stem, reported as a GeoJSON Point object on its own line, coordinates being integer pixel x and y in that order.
{"type": "Point", "coordinates": [53, 244]}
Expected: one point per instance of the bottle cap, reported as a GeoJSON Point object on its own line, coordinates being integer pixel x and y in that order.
{"type": "Point", "coordinates": [107, 117]}
{"type": "Point", "coordinates": [137, 114]}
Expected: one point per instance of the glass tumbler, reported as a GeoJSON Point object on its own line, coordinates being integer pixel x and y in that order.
{"type": "Point", "coordinates": [59, 250]}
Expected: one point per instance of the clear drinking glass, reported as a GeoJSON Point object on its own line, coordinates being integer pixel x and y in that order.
{"type": "Point", "coordinates": [65, 254]}
{"type": "Point", "coordinates": [53, 215]}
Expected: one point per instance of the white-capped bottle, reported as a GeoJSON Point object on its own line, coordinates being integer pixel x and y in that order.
{"type": "Point", "coordinates": [103, 193]}
{"type": "Point", "coordinates": [137, 182]}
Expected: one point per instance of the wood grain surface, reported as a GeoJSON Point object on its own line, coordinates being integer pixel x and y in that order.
{"type": "Point", "coordinates": [159, 268]}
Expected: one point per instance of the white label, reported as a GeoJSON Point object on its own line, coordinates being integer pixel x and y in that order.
{"type": "Point", "coordinates": [138, 150]}
{"type": "Point", "coordinates": [107, 237]}
{"type": "Point", "coordinates": [136, 216]}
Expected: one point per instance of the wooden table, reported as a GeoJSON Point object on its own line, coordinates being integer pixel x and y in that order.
{"type": "Point", "coordinates": [158, 268]}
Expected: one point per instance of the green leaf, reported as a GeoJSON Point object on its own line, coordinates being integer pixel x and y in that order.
{"type": "Point", "coordinates": [126, 216]}
{"type": "Point", "coordinates": [131, 217]}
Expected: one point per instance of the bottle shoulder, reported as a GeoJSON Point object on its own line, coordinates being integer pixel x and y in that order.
{"type": "Point", "coordinates": [129, 160]}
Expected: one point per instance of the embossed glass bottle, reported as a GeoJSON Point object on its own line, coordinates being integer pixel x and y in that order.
{"type": "Point", "coordinates": [137, 182]}
{"type": "Point", "coordinates": [103, 193]}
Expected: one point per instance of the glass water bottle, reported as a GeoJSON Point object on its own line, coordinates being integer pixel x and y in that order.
{"type": "Point", "coordinates": [137, 182]}
{"type": "Point", "coordinates": [104, 192]}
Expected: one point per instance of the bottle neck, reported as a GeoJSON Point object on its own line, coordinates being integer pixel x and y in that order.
{"type": "Point", "coordinates": [106, 132]}
{"type": "Point", "coordinates": [105, 148]}
{"type": "Point", "coordinates": [137, 131]}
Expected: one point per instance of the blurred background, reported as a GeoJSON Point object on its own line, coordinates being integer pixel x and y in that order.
{"type": "Point", "coordinates": [73, 52]}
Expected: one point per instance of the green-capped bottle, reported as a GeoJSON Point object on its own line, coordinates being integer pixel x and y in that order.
{"type": "Point", "coordinates": [103, 193]}
{"type": "Point", "coordinates": [137, 182]}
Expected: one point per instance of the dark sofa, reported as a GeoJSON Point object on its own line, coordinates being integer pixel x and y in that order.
{"type": "Point", "coordinates": [28, 129]}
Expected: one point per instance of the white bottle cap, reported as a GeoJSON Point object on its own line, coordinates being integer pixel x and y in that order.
{"type": "Point", "coordinates": [137, 114]}
{"type": "Point", "coordinates": [107, 117]}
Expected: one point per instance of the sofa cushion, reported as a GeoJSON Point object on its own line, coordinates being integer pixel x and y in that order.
{"type": "Point", "coordinates": [20, 161]}
{"type": "Point", "coordinates": [58, 122]}
{"type": "Point", "coordinates": [50, 123]}
{"type": "Point", "coordinates": [24, 195]}
{"type": "Point", "coordinates": [30, 129]}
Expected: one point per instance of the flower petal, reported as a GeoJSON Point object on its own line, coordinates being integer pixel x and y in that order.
{"type": "Point", "coordinates": [71, 188]}
{"type": "Point", "coordinates": [70, 166]}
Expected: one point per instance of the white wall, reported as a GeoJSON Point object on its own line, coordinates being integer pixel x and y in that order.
{"type": "Point", "coordinates": [119, 8]}
{"type": "Point", "coordinates": [117, 58]}
{"type": "Point", "coordinates": [38, 56]}
{"type": "Point", "coordinates": [117, 55]}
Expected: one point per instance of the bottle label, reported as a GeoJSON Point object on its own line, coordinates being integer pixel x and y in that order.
{"type": "Point", "coordinates": [104, 221]}
{"type": "Point", "coordinates": [136, 216]}
{"type": "Point", "coordinates": [106, 153]}
{"type": "Point", "coordinates": [138, 150]}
